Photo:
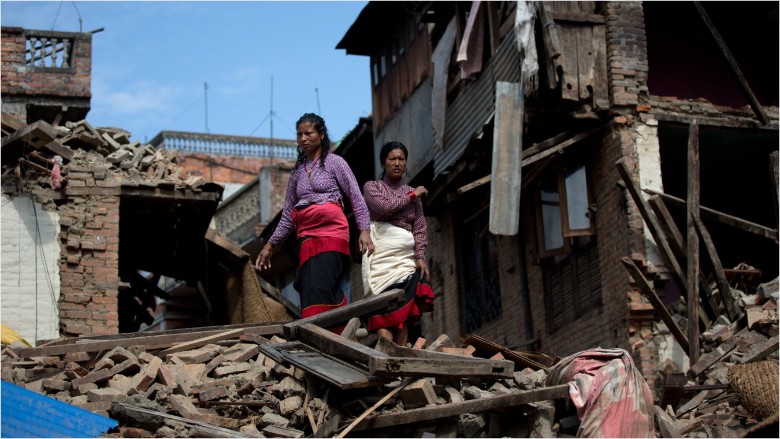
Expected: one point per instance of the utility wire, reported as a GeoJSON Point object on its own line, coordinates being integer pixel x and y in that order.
{"type": "Point", "coordinates": [260, 124]}
{"type": "Point", "coordinates": [57, 15]}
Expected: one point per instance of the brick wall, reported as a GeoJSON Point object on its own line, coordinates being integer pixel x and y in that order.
{"type": "Point", "coordinates": [223, 169]}
{"type": "Point", "coordinates": [19, 79]}
{"type": "Point", "coordinates": [626, 53]}
{"type": "Point", "coordinates": [30, 284]}
{"type": "Point", "coordinates": [89, 263]}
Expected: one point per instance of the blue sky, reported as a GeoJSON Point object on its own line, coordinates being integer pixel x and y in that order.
{"type": "Point", "coordinates": [150, 63]}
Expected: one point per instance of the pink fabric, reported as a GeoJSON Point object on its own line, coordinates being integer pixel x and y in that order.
{"type": "Point", "coordinates": [611, 395]}
{"type": "Point", "coordinates": [55, 177]}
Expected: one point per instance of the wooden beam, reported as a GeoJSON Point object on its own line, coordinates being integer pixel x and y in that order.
{"type": "Point", "coordinates": [773, 176]}
{"type": "Point", "coordinates": [387, 301]}
{"type": "Point", "coordinates": [652, 224]}
{"type": "Point", "coordinates": [551, 43]}
{"type": "Point", "coordinates": [692, 273]}
{"type": "Point", "coordinates": [444, 367]}
{"type": "Point", "coordinates": [201, 429]}
{"type": "Point", "coordinates": [476, 183]}
{"type": "Point", "coordinates": [226, 335]}
{"type": "Point", "coordinates": [720, 217]}
{"type": "Point", "coordinates": [579, 17]}
{"type": "Point", "coordinates": [658, 305]}
{"type": "Point", "coordinates": [720, 276]}
{"type": "Point", "coordinates": [333, 344]}
{"type": "Point", "coordinates": [754, 104]}
{"type": "Point", "coordinates": [676, 241]}
{"type": "Point", "coordinates": [504, 218]}
{"type": "Point", "coordinates": [539, 151]}
{"type": "Point", "coordinates": [376, 405]}
{"type": "Point", "coordinates": [759, 351]}
{"type": "Point", "coordinates": [158, 340]}
{"type": "Point", "coordinates": [705, 361]}
{"type": "Point", "coordinates": [473, 406]}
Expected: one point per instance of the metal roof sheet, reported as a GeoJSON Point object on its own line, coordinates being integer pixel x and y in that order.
{"type": "Point", "coordinates": [24, 413]}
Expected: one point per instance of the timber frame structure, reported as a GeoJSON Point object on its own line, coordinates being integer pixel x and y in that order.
{"type": "Point", "coordinates": [542, 174]}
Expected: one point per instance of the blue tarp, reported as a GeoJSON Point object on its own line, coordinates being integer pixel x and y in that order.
{"type": "Point", "coordinates": [24, 413]}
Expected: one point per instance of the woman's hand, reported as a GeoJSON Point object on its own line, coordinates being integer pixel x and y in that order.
{"type": "Point", "coordinates": [263, 259]}
{"type": "Point", "coordinates": [425, 273]}
{"type": "Point", "coordinates": [365, 243]}
{"type": "Point", "coordinates": [419, 191]}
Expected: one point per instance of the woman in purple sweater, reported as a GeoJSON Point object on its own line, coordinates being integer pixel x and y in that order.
{"type": "Point", "coordinates": [314, 207]}
{"type": "Point", "coordinates": [400, 234]}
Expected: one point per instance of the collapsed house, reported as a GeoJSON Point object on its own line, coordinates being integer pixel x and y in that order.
{"type": "Point", "coordinates": [542, 130]}
{"type": "Point", "coordinates": [99, 229]}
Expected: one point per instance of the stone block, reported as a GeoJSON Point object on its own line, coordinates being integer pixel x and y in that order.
{"type": "Point", "coordinates": [418, 393]}
{"type": "Point", "coordinates": [290, 405]}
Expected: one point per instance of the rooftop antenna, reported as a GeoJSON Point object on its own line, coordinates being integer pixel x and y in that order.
{"type": "Point", "coordinates": [317, 92]}
{"type": "Point", "coordinates": [206, 93]}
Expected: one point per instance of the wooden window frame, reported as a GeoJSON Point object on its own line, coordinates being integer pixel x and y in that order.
{"type": "Point", "coordinates": [567, 233]}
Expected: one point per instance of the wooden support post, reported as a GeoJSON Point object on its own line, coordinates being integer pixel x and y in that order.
{"type": "Point", "coordinates": [754, 104]}
{"type": "Point", "coordinates": [658, 305]}
{"type": "Point", "coordinates": [773, 174]}
{"type": "Point", "coordinates": [692, 274]}
{"type": "Point", "coordinates": [720, 276]}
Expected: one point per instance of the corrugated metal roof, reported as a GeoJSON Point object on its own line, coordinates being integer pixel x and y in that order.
{"type": "Point", "coordinates": [474, 107]}
{"type": "Point", "coordinates": [24, 413]}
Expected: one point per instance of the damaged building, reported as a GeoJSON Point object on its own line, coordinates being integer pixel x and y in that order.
{"type": "Point", "coordinates": [99, 229]}
{"type": "Point", "coordinates": [530, 123]}
{"type": "Point", "coordinates": [602, 185]}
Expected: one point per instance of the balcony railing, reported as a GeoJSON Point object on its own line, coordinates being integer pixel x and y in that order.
{"type": "Point", "coordinates": [48, 49]}
{"type": "Point", "coordinates": [226, 145]}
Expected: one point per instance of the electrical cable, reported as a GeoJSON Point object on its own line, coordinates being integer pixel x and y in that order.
{"type": "Point", "coordinates": [57, 15]}
{"type": "Point", "coordinates": [259, 125]}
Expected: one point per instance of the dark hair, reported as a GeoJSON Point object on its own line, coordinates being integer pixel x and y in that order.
{"type": "Point", "coordinates": [319, 125]}
{"type": "Point", "coordinates": [386, 148]}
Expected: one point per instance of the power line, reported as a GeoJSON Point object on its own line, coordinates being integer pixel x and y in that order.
{"type": "Point", "coordinates": [258, 125]}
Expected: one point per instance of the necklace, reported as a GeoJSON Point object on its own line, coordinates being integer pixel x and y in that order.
{"type": "Point", "coordinates": [313, 165]}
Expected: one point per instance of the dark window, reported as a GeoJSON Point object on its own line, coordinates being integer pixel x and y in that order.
{"type": "Point", "coordinates": [480, 273]}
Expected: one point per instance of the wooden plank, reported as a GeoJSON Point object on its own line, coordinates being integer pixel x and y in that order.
{"type": "Point", "coordinates": [720, 276]}
{"type": "Point", "coordinates": [476, 183]}
{"type": "Point", "coordinates": [337, 316]}
{"type": "Point", "coordinates": [458, 366]}
{"type": "Point", "coordinates": [391, 349]}
{"type": "Point", "coordinates": [60, 150]}
{"type": "Point", "coordinates": [473, 406]}
{"type": "Point", "coordinates": [229, 246]}
{"type": "Point", "coordinates": [567, 62]}
{"type": "Point", "coordinates": [226, 335]}
{"type": "Point", "coordinates": [652, 224]}
{"type": "Point", "coordinates": [533, 360]}
{"type": "Point", "coordinates": [200, 429]}
{"type": "Point", "coordinates": [371, 409]}
{"type": "Point", "coordinates": [551, 43]}
{"type": "Point", "coordinates": [759, 351]}
{"type": "Point", "coordinates": [335, 345]}
{"type": "Point", "coordinates": [579, 17]}
{"type": "Point", "coordinates": [692, 272]}
{"type": "Point", "coordinates": [600, 61]}
{"type": "Point", "coordinates": [708, 359]}
{"type": "Point", "coordinates": [158, 341]}
{"type": "Point", "coordinates": [276, 294]}
{"type": "Point", "coordinates": [584, 60]}
{"type": "Point", "coordinates": [10, 123]}
{"type": "Point", "coordinates": [773, 171]}
{"type": "Point", "coordinates": [665, 220]}
{"type": "Point", "coordinates": [724, 218]}
{"type": "Point", "coordinates": [505, 191]}
{"type": "Point", "coordinates": [735, 70]}
{"type": "Point", "coordinates": [561, 146]}
{"type": "Point", "coordinates": [33, 136]}
{"type": "Point", "coordinates": [342, 374]}
{"type": "Point", "coordinates": [647, 290]}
